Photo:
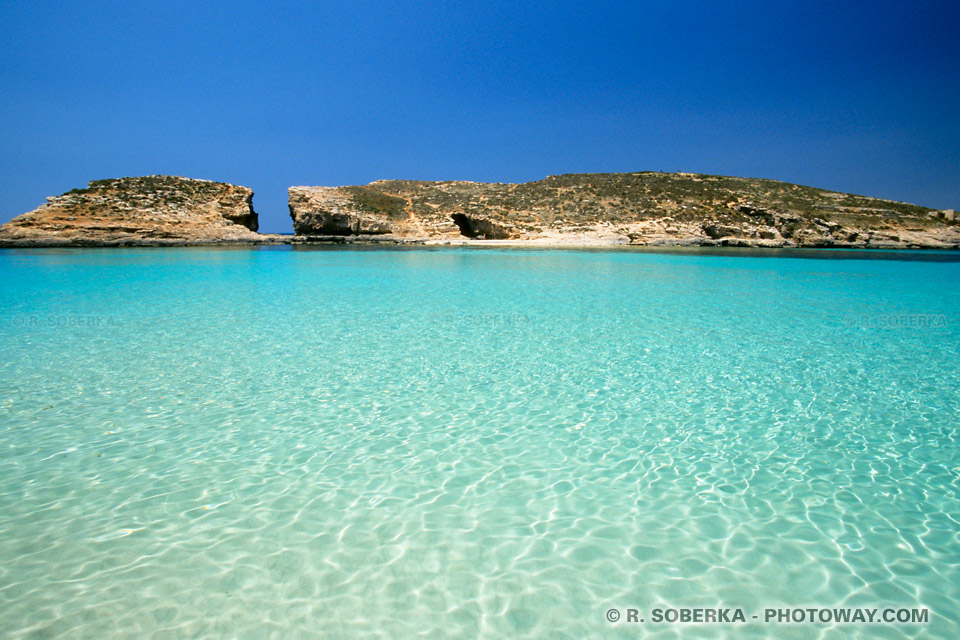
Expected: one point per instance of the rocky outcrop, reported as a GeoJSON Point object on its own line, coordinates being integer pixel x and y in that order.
{"type": "Point", "coordinates": [477, 227]}
{"type": "Point", "coordinates": [347, 211]}
{"type": "Point", "coordinates": [644, 208]}
{"type": "Point", "coordinates": [647, 208]}
{"type": "Point", "coordinates": [149, 210]}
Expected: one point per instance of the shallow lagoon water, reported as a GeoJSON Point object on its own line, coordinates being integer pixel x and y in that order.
{"type": "Point", "coordinates": [277, 442]}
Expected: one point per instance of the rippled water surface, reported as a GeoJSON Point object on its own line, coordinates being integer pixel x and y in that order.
{"type": "Point", "coordinates": [278, 443]}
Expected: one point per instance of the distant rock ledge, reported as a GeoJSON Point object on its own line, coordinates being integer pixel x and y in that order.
{"type": "Point", "coordinates": [600, 209]}
{"type": "Point", "coordinates": [142, 211]}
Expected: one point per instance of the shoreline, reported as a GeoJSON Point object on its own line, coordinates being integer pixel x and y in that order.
{"type": "Point", "coordinates": [549, 242]}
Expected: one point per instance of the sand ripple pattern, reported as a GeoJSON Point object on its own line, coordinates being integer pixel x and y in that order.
{"type": "Point", "coordinates": [472, 443]}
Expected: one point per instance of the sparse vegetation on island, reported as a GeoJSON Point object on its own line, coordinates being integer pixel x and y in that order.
{"type": "Point", "coordinates": [627, 208]}
{"type": "Point", "coordinates": [643, 208]}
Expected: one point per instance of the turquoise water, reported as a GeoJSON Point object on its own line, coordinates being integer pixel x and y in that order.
{"type": "Point", "coordinates": [284, 443]}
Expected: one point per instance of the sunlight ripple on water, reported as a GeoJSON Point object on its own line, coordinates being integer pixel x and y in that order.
{"type": "Point", "coordinates": [473, 443]}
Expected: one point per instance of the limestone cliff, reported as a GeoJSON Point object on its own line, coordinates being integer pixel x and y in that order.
{"type": "Point", "coordinates": [149, 210]}
{"type": "Point", "coordinates": [644, 208]}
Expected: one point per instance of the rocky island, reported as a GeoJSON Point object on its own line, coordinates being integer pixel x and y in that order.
{"type": "Point", "coordinates": [149, 210]}
{"type": "Point", "coordinates": [645, 208]}
{"type": "Point", "coordinates": [598, 209]}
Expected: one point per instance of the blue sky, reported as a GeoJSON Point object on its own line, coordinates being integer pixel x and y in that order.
{"type": "Point", "coordinates": [853, 96]}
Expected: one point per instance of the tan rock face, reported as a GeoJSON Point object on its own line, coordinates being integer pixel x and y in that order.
{"type": "Point", "coordinates": [145, 210]}
{"type": "Point", "coordinates": [323, 211]}
{"type": "Point", "coordinates": [636, 208]}
{"type": "Point", "coordinates": [375, 210]}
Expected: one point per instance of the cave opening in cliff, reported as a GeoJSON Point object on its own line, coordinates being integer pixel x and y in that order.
{"type": "Point", "coordinates": [465, 225]}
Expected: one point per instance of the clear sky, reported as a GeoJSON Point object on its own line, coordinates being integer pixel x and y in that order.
{"type": "Point", "coordinates": [853, 96]}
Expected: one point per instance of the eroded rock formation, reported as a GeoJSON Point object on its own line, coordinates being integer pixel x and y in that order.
{"type": "Point", "coordinates": [149, 210]}
{"type": "Point", "coordinates": [577, 209]}
{"type": "Point", "coordinates": [644, 208]}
